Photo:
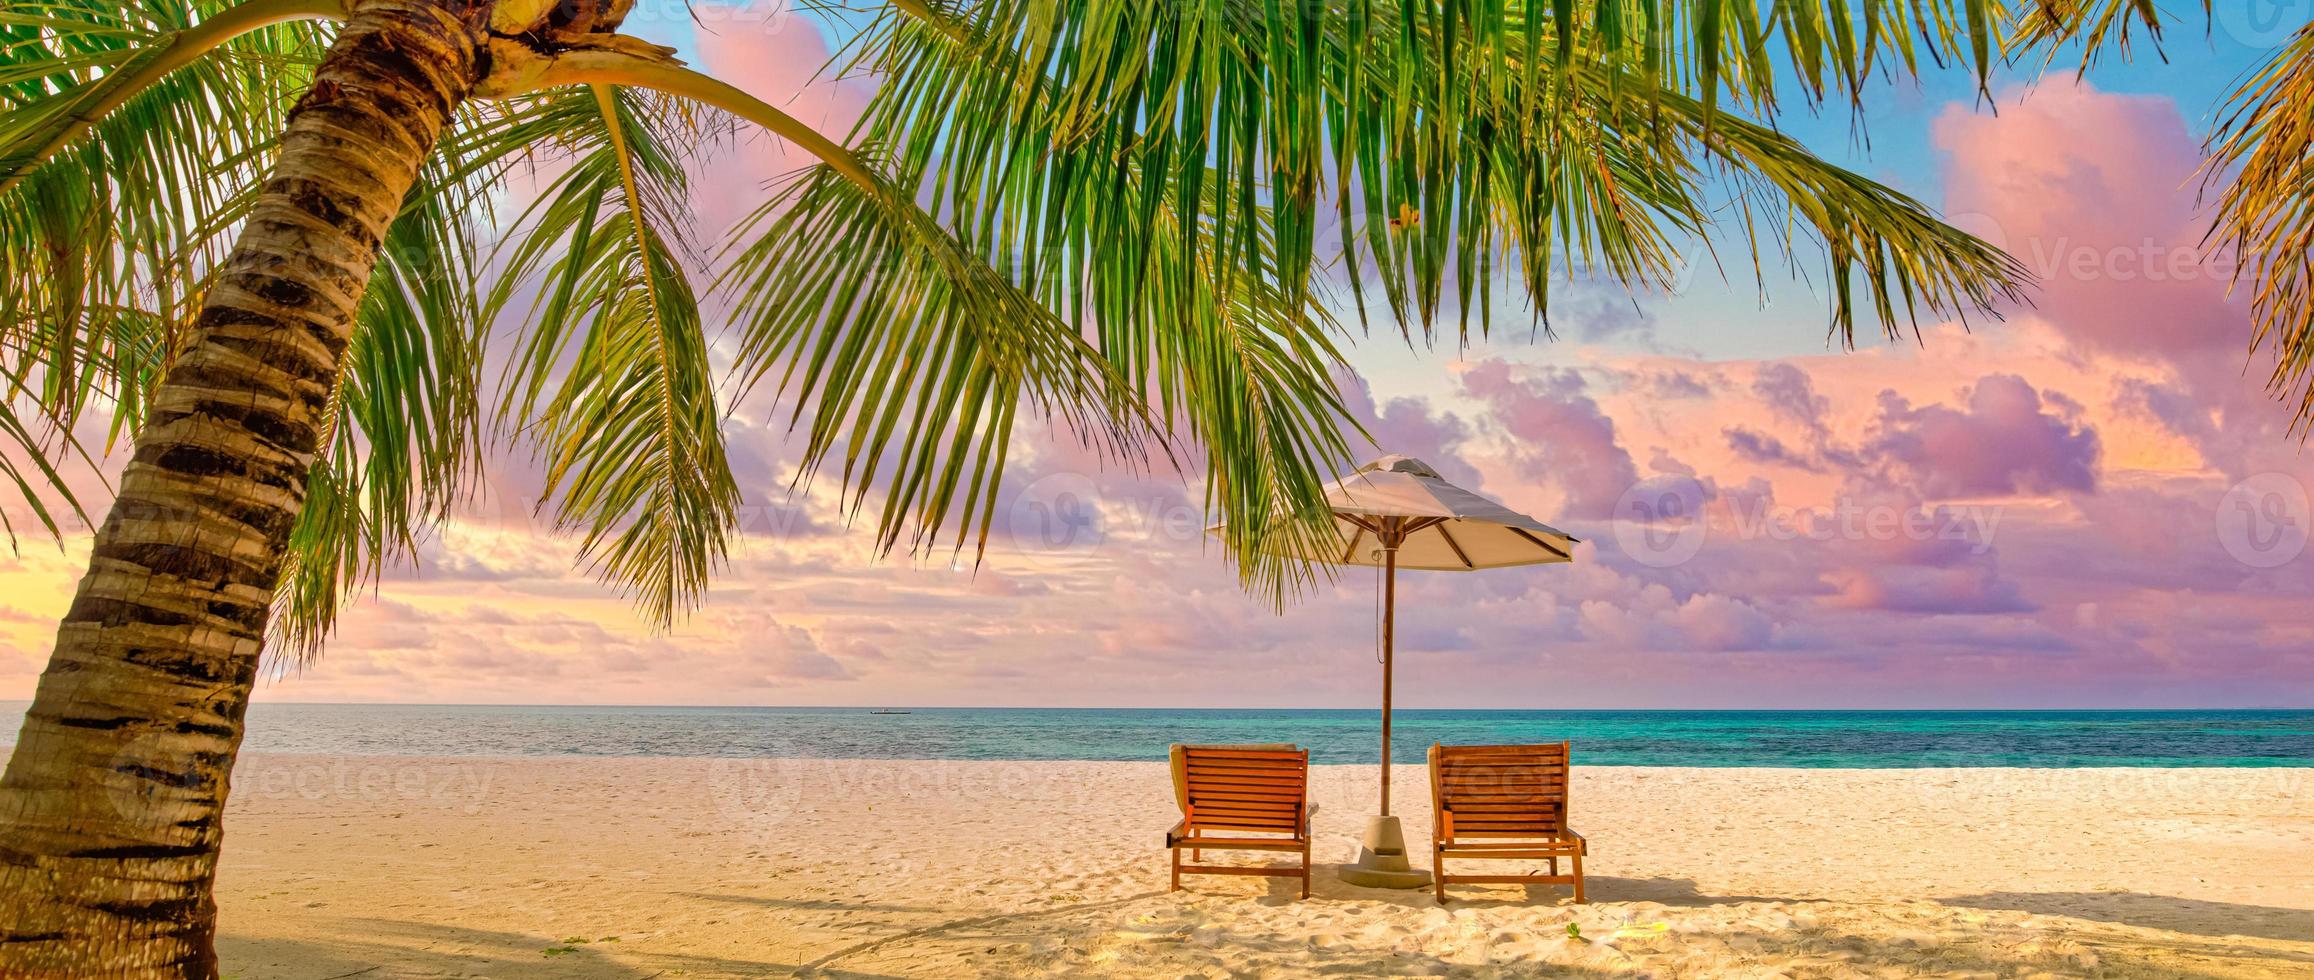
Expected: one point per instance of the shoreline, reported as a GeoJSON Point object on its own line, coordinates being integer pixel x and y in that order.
{"type": "Point", "coordinates": [543, 757]}
{"type": "Point", "coordinates": [1674, 739]}
{"type": "Point", "coordinates": [447, 866]}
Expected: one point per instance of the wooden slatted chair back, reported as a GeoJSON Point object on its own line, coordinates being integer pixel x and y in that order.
{"type": "Point", "coordinates": [1260, 790]}
{"type": "Point", "coordinates": [1500, 790]}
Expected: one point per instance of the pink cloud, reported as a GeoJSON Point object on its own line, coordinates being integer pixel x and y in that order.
{"type": "Point", "coordinates": [2097, 193]}
{"type": "Point", "coordinates": [1791, 395]}
{"type": "Point", "coordinates": [1767, 450]}
{"type": "Point", "coordinates": [1717, 622]}
{"type": "Point", "coordinates": [2001, 442]}
{"type": "Point", "coordinates": [1968, 589]}
{"type": "Point", "coordinates": [2094, 191]}
{"type": "Point", "coordinates": [778, 60]}
{"type": "Point", "coordinates": [1411, 426]}
{"type": "Point", "coordinates": [1554, 435]}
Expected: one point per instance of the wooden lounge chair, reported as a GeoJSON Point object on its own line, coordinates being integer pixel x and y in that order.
{"type": "Point", "coordinates": [1502, 802]}
{"type": "Point", "coordinates": [1228, 792]}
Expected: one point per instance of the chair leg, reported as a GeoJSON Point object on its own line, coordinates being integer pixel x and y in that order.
{"type": "Point", "coordinates": [1578, 860]}
{"type": "Point", "coordinates": [1438, 872]}
{"type": "Point", "coordinates": [1197, 854]}
{"type": "Point", "coordinates": [1176, 870]}
{"type": "Point", "coordinates": [1305, 869]}
{"type": "Point", "coordinates": [1554, 867]}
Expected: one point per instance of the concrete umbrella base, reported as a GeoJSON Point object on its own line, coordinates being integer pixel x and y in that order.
{"type": "Point", "coordinates": [1382, 858]}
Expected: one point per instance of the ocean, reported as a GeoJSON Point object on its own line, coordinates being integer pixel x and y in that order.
{"type": "Point", "coordinates": [1805, 739]}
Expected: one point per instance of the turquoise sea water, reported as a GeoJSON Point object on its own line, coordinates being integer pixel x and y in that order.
{"type": "Point", "coordinates": [1813, 739]}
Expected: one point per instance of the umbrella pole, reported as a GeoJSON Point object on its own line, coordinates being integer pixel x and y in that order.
{"type": "Point", "coordinates": [1382, 850]}
{"type": "Point", "coordinates": [1389, 640]}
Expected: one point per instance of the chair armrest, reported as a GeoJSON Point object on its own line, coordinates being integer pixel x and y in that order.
{"type": "Point", "coordinates": [1173, 837]}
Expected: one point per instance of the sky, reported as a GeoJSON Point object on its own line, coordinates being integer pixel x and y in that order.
{"type": "Point", "coordinates": [2089, 503]}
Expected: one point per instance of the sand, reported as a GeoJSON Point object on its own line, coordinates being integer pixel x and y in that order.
{"type": "Point", "coordinates": [397, 867]}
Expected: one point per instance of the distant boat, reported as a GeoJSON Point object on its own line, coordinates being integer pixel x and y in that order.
{"type": "Point", "coordinates": [888, 711]}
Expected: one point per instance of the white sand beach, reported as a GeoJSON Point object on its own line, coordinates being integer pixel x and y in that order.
{"type": "Point", "coordinates": [341, 867]}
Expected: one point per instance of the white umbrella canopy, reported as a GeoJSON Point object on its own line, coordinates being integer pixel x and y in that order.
{"type": "Point", "coordinates": [1397, 512]}
{"type": "Point", "coordinates": [1440, 526]}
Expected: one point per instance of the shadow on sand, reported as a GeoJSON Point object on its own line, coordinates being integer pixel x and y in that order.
{"type": "Point", "coordinates": [1834, 940]}
{"type": "Point", "coordinates": [1178, 936]}
{"type": "Point", "coordinates": [1680, 892]}
{"type": "Point", "coordinates": [395, 948]}
{"type": "Point", "coordinates": [999, 928]}
{"type": "Point", "coordinates": [2187, 915]}
{"type": "Point", "coordinates": [813, 905]}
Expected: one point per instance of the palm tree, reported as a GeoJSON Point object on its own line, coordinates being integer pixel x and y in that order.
{"type": "Point", "coordinates": [249, 234]}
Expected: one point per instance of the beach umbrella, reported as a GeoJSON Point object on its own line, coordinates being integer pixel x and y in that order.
{"type": "Point", "coordinates": [1396, 512]}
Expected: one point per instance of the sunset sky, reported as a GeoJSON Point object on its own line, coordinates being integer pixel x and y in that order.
{"type": "Point", "coordinates": [2089, 503]}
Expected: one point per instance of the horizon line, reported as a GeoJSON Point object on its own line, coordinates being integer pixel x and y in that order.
{"type": "Point", "coordinates": [872, 706]}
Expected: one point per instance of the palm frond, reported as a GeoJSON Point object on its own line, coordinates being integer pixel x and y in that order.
{"type": "Point", "coordinates": [2261, 168]}
{"type": "Point", "coordinates": [2098, 27]}
{"type": "Point", "coordinates": [1873, 240]}
{"type": "Point", "coordinates": [131, 135]}
{"type": "Point", "coordinates": [132, 138]}
{"type": "Point", "coordinates": [1749, 53]}
{"type": "Point", "coordinates": [908, 350]}
{"type": "Point", "coordinates": [2257, 171]}
{"type": "Point", "coordinates": [1249, 374]}
{"type": "Point", "coordinates": [612, 385]}
{"type": "Point", "coordinates": [25, 445]}
{"type": "Point", "coordinates": [404, 437]}
{"type": "Point", "coordinates": [1136, 162]}
{"type": "Point", "coordinates": [1448, 136]}
{"type": "Point", "coordinates": [908, 354]}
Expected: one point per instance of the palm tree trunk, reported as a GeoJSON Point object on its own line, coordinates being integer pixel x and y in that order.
{"type": "Point", "coordinates": [110, 811]}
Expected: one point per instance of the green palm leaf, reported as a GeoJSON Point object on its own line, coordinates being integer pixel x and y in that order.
{"type": "Point", "coordinates": [2099, 27]}
{"type": "Point", "coordinates": [842, 302]}
{"type": "Point", "coordinates": [2256, 174]}
{"type": "Point", "coordinates": [122, 190]}
{"type": "Point", "coordinates": [1871, 239]}
{"type": "Point", "coordinates": [612, 384]}
{"type": "Point", "coordinates": [908, 351]}
{"type": "Point", "coordinates": [405, 437]}
{"type": "Point", "coordinates": [1135, 162]}
{"type": "Point", "coordinates": [907, 354]}
{"type": "Point", "coordinates": [2259, 170]}
{"type": "Point", "coordinates": [125, 159]}
{"type": "Point", "coordinates": [1449, 135]}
